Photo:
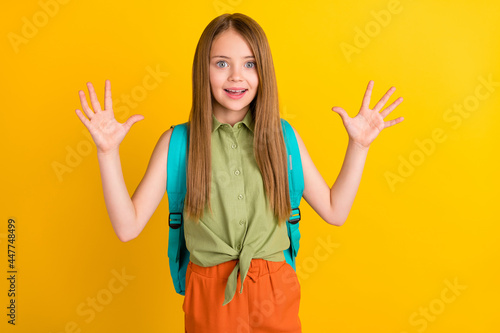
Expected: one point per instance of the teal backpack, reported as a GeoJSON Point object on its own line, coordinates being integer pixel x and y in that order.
{"type": "Point", "coordinates": [178, 254]}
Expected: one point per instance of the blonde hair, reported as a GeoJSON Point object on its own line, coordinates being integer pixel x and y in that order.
{"type": "Point", "coordinates": [269, 146]}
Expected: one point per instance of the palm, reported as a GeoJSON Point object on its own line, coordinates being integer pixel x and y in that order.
{"type": "Point", "coordinates": [368, 123]}
{"type": "Point", "coordinates": [106, 132]}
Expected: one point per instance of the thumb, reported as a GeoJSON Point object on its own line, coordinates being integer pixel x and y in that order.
{"type": "Point", "coordinates": [132, 120]}
{"type": "Point", "coordinates": [341, 113]}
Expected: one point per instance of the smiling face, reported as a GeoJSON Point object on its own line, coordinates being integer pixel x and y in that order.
{"type": "Point", "coordinates": [233, 75]}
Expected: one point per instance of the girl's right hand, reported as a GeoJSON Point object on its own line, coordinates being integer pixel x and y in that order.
{"type": "Point", "coordinates": [106, 132]}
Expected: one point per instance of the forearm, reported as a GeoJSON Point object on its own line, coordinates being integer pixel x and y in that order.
{"type": "Point", "coordinates": [344, 189]}
{"type": "Point", "coordinates": [119, 205]}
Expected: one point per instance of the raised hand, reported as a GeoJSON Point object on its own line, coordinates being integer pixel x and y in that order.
{"type": "Point", "coordinates": [368, 123]}
{"type": "Point", "coordinates": [106, 132]}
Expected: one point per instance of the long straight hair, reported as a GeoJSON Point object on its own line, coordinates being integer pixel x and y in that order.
{"type": "Point", "coordinates": [268, 144]}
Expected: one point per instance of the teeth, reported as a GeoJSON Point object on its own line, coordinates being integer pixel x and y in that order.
{"type": "Point", "coordinates": [236, 90]}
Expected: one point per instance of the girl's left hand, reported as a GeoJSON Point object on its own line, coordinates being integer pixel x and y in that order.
{"type": "Point", "coordinates": [368, 123]}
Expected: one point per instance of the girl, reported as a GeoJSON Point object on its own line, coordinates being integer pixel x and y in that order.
{"type": "Point", "coordinates": [237, 187]}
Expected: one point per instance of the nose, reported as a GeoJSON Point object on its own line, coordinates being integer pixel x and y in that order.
{"type": "Point", "coordinates": [235, 74]}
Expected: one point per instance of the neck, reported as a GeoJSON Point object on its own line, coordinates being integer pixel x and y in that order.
{"type": "Point", "coordinates": [229, 116]}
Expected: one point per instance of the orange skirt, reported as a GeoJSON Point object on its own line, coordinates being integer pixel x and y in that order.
{"type": "Point", "coordinates": [269, 302]}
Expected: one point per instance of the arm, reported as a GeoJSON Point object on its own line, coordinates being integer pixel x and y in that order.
{"type": "Point", "coordinates": [128, 215]}
{"type": "Point", "coordinates": [344, 189]}
{"type": "Point", "coordinates": [334, 204]}
{"type": "Point", "coordinates": [153, 185]}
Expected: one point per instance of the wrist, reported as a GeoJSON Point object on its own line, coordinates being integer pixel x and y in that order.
{"type": "Point", "coordinates": [109, 152]}
{"type": "Point", "coordinates": [357, 146]}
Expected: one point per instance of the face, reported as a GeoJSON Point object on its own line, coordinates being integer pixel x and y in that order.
{"type": "Point", "coordinates": [232, 67]}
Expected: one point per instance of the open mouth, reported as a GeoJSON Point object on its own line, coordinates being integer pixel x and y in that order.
{"type": "Point", "coordinates": [236, 92]}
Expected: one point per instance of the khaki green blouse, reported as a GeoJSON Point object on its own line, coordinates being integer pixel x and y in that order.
{"type": "Point", "coordinates": [243, 226]}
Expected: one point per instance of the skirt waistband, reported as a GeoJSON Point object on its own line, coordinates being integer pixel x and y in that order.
{"type": "Point", "coordinates": [258, 267]}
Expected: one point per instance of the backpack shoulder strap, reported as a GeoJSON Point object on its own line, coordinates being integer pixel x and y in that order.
{"type": "Point", "coordinates": [178, 254]}
{"type": "Point", "coordinates": [296, 188]}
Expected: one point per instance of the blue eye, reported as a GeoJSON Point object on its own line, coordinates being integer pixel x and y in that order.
{"type": "Point", "coordinates": [217, 63]}
{"type": "Point", "coordinates": [222, 61]}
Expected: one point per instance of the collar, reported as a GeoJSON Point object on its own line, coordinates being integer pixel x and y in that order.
{"type": "Point", "coordinates": [247, 120]}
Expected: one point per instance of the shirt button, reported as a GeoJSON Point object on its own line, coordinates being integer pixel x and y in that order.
{"type": "Point", "coordinates": [239, 126]}
{"type": "Point", "coordinates": [233, 145]}
{"type": "Point", "coordinates": [242, 222]}
{"type": "Point", "coordinates": [240, 196]}
{"type": "Point", "coordinates": [239, 246]}
{"type": "Point", "coordinates": [237, 172]}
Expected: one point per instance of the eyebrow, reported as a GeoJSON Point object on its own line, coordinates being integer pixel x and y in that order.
{"type": "Point", "coordinates": [221, 56]}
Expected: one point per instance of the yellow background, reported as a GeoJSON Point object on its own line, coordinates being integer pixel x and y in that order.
{"type": "Point", "coordinates": [401, 243]}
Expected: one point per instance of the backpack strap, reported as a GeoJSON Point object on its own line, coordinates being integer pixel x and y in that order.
{"type": "Point", "coordinates": [176, 190]}
{"type": "Point", "coordinates": [296, 188]}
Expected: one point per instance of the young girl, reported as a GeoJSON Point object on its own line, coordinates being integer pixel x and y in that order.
{"type": "Point", "coordinates": [237, 198]}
